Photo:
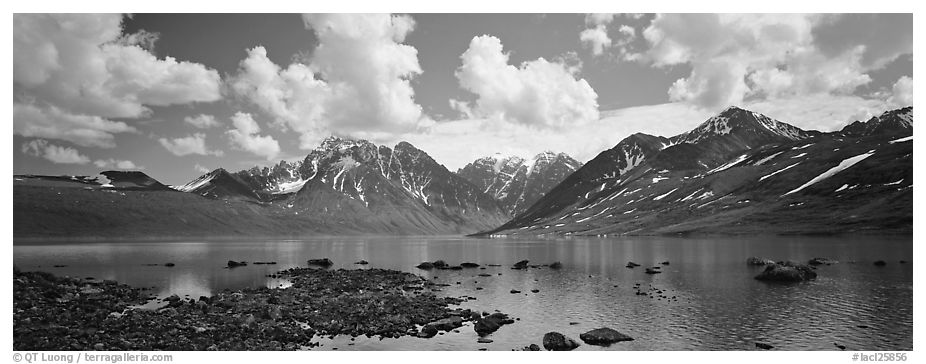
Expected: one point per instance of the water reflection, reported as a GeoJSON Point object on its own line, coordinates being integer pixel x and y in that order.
{"type": "Point", "coordinates": [716, 305]}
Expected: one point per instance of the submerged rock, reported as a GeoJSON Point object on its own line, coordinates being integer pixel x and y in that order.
{"type": "Point", "coordinates": [233, 264]}
{"type": "Point", "coordinates": [880, 263]}
{"type": "Point", "coordinates": [323, 262]}
{"type": "Point", "coordinates": [469, 265]}
{"type": "Point", "coordinates": [520, 265]}
{"type": "Point", "coordinates": [425, 266]}
{"type": "Point", "coordinates": [169, 264]}
{"type": "Point", "coordinates": [554, 341]}
{"type": "Point", "coordinates": [632, 265]}
{"type": "Point", "coordinates": [759, 261]}
{"type": "Point", "coordinates": [764, 346]}
{"type": "Point", "coordinates": [787, 272]}
{"type": "Point", "coordinates": [821, 261]}
{"type": "Point", "coordinates": [362, 262]}
{"type": "Point", "coordinates": [654, 270]}
{"type": "Point", "coordinates": [556, 265]}
{"type": "Point", "coordinates": [604, 336]}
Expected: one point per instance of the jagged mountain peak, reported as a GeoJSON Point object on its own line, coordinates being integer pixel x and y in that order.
{"type": "Point", "coordinates": [891, 122]}
{"type": "Point", "coordinates": [739, 122]}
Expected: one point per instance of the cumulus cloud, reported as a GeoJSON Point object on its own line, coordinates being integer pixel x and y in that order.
{"type": "Point", "coordinates": [56, 154]}
{"type": "Point", "coordinates": [741, 57]}
{"type": "Point", "coordinates": [82, 66]}
{"type": "Point", "coordinates": [357, 80]}
{"type": "Point", "coordinates": [902, 92]}
{"type": "Point", "coordinates": [201, 169]}
{"type": "Point", "coordinates": [596, 38]}
{"type": "Point", "coordinates": [245, 137]}
{"type": "Point", "coordinates": [53, 123]}
{"type": "Point", "coordinates": [539, 93]}
{"type": "Point", "coordinates": [116, 163]}
{"type": "Point", "coordinates": [202, 121]}
{"type": "Point", "coordinates": [192, 144]}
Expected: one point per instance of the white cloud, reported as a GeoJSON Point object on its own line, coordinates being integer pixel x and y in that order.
{"type": "Point", "coordinates": [737, 58]}
{"type": "Point", "coordinates": [539, 93]}
{"type": "Point", "coordinates": [54, 123]}
{"type": "Point", "coordinates": [54, 153]}
{"type": "Point", "coordinates": [481, 137]}
{"type": "Point", "coordinates": [81, 66]}
{"type": "Point", "coordinates": [823, 112]}
{"type": "Point", "coordinates": [202, 121]}
{"type": "Point", "coordinates": [596, 38]}
{"type": "Point", "coordinates": [902, 92]}
{"type": "Point", "coordinates": [192, 144]}
{"type": "Point", "coordinates": [201, 169]}
{"type": "Point", "coordinates": [245, 137]}
{"type": "Point", "coordinates": [356, 82]}
{"type": "Point", "coordinates": [599, 19]}
{"type": "Point", "coordinates": [116, 163]}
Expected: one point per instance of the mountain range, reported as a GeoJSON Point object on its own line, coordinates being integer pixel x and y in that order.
{"type": "Point", "coordinates": [739, 172]}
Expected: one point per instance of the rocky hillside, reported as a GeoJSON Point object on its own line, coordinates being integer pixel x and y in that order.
{"type": "Point", "coordinates": [365, 187]}
{"type": "Point", "coordinates": [739, 172]}
{"type": "Point", "coordinates": [518, 183]}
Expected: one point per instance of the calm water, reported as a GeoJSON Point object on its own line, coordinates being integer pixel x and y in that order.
{"type": "Point", "coordinates": [719, 305]}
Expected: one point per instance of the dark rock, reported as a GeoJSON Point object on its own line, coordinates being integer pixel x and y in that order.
{"type": "Point", "coordinates": [454, 267]}
{"type": "Point", "coordinates": [604, 336]}
{"type": "Point", "coordinates": [483, 340]}
{"type": "Point", "coordinates": [787, 272]}
{"type": "Point", "coordinates": [427, 331]}
{"type": "Point", "coordinates": [323, 262]}
{"type": "Point", "coordinates": [425, 266]}
{"type": "Point", "coordinates": [514, 291]}
{"type": "Point", "coordinates": [233, 264]}
{"type": "Point", "coordinates": [573, 323]}
{"type": "Point", "coordinates": [264, 263]}
{"type": "Point", "coordinates": [652, 271]}
{"type": "Point", "coordinates": [821, 261]}
{"type": "Point", "coordinates": [520, 265]}
{"type": "Point", "coordinates": [362, 262]}
{"type": "Point", "coordinates": [759, 261]}
{"type": "Point", "coordinates": [880, 263]}
{"type": "Point", "coordinates": [554, 341]}
{"type": "Point", "coordinates": [484, 275]}
{"type": "Point", "coordinates": [665, 263]}
{"type": "Point", "coordinates": [439, 264]}
{"type": "Point", "coordinates": [556, 265]}
{"type": "Point", "coordinates": [469, 265]}
{"type": "Point", "coordinates": [903, 262]}
{"type": "Point", "coordinates": [485, 326]}
{"type": "Point", "coordinates": [632, 265]}
{"type": "Point", "coordinates": [764, 346]}
{"type": "Point", "coordinates": [841, 347]}
{"type": "Point", "coordinates": [535, 290]}
{"type": "Point", "coordinates": [168, 264]}
{"type": "Point", "coordinates": [447, 324]}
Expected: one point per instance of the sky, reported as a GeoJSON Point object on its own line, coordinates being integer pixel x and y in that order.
{"type": "Point", "coordinates": [177, 95]}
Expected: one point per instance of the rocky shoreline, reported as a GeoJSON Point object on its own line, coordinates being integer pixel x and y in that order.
{"type": "Point", "coordinates": [62, 313]}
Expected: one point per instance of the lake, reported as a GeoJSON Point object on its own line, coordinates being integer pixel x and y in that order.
{"type": "Point", "coordinates": [717, 304]}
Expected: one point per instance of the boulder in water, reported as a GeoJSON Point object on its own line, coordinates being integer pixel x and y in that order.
{"type": "Point", "coordinates": [787, 272]}
{"type": "Point", "coordinates": [604, 336]}
{"type": "Point", "coordinates": [554, 341]}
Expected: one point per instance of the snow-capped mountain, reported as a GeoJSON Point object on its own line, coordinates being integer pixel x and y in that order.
{"type": "Point", "coordinates": [899, 121]}
{"type": "Point", "coordinates": [355, 185]}
{"type": "Point", "coordinates": [219, 184]}
{"type": "Point", "coordinates": [518, 183]}
{"type": "Point", "coordinates": [740, 172]}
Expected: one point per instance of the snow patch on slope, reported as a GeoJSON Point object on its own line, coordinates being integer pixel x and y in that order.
{"type": "Point", "coordinates": [846, 163]}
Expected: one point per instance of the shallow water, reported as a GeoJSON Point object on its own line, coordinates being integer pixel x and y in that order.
{"type": "Point", "coordinates": [717, 306]}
